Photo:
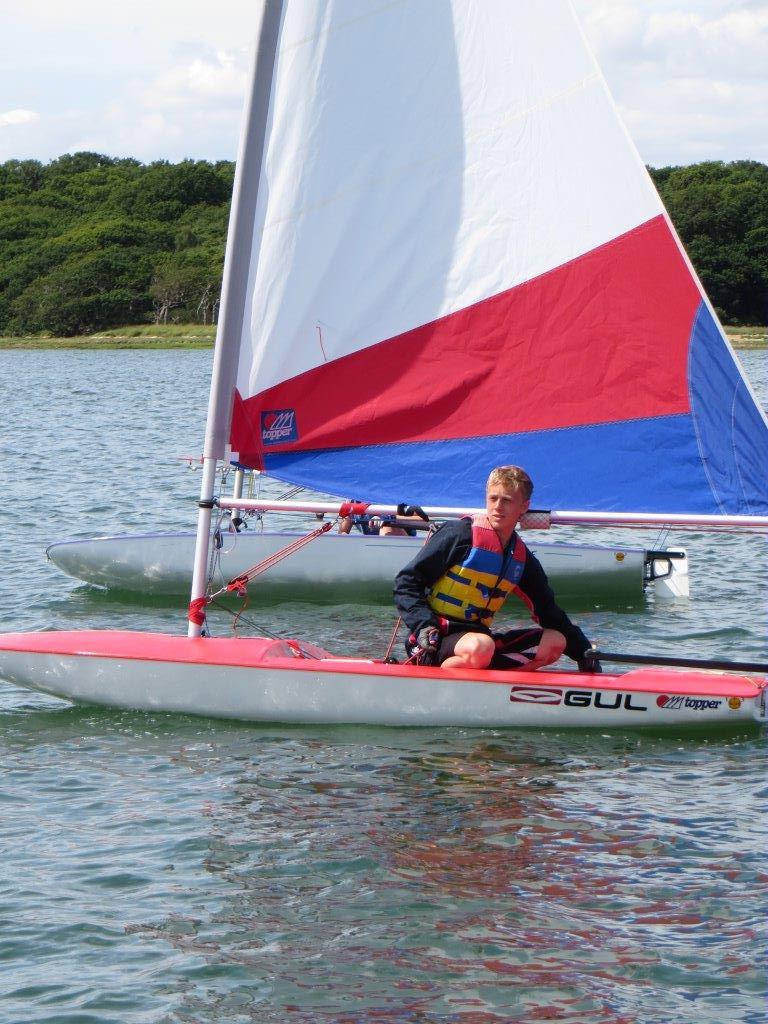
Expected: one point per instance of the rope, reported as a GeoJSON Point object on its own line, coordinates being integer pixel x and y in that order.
{"type": "Point", "coordinates": [290, 492]}
{"type": "Point", "coordinates": [236, 616]}
{"type": "Point", "coordinates": [393, 638]}
{"type": "Point", "coordinates": [239, 583]}
{"type": "Point", "coordinates": [262, 630]}
{"type": "Point", "coordinates": [661, 537]}
{"type": "Point", "coordinates": [217, 543]}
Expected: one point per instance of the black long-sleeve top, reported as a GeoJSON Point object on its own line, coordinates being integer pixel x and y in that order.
{"type": "Point", "coordinates": [449, 545]}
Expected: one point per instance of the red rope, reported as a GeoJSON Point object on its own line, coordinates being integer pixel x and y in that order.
{"type": "Point", "coordinates": [240, 582]}
{"type": "Point", "coordinates": [393, 639]}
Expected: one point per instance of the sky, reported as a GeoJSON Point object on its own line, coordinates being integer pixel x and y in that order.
{"type": "Point", "coordinates": [165, 79]}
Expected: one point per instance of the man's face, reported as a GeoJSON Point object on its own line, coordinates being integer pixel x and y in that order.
{"type": "Point", "coordinates": [504, 508]}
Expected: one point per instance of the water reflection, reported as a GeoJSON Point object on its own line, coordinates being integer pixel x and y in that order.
{"type": "Point", "coordinates": [474, 877]}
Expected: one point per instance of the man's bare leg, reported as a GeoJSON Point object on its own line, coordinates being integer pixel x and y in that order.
{"type": "Point", "coordinates": [473, 650]}
{"type": "Point", "coordinates": [551, 647]}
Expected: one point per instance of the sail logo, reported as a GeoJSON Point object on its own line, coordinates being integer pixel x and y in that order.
{"type": "Point", "coordinates": [598, 699]}
{"type": "Point", "coordinates": [278, 426]}
{"type": "Point", "coordinates": [535, 695]}
{"type": "Point", "coordinates": [679, 701]}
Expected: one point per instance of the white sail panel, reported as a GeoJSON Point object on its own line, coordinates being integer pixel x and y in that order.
{"type": "Point", "coordinates": [409, 175]}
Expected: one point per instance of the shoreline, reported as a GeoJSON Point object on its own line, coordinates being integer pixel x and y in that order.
{"type": "Point", "coordinates": [54, 344]}
{"type": "Point", "coordinates": [139, 336]}
{"type": "Point", "coordinates": [200, 338]}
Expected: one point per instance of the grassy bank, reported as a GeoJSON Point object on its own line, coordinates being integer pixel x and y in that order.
{"type": "Point", "coordinates": [196, 336]}
{"type": "Point", "coordinates": [139, 336]}
{"type": "Point", "coordinates": [748, 337]}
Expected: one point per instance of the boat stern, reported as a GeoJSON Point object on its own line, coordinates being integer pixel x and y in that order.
{"type": "Point", "coordinates": [761, 704]}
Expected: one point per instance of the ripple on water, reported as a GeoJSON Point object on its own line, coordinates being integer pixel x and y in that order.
{"type": "Point", "coordinates": [157, 868]}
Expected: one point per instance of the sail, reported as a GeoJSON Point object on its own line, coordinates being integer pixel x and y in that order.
{"type": "Point", "coordinates": [459, 261]}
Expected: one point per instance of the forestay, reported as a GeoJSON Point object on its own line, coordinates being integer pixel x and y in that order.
{"type": "Point", "coordinates": [459, 260]}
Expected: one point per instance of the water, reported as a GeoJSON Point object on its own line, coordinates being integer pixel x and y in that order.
{"type": "Point", "coordinates": [166, 869]}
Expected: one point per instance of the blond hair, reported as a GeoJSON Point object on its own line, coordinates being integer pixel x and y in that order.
{"type": "Point", "coordinates": [511, 478]}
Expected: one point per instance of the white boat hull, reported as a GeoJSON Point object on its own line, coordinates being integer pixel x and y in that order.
{"type": "Point", "coordinates": [353, 565]}
{"type": "Point", "coordinates": [263, 680]}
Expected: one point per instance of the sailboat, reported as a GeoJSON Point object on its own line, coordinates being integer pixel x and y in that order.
{"type": "Point", "coordinates": [445, 254]}
{"type": "Point", "coordinates": [360, 565]}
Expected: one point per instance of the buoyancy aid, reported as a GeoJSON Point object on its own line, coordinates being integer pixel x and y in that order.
{"type": "Point", "coordinates": [475, 589]}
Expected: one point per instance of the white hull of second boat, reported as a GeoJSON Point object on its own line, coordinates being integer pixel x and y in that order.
{"type": "Point", "coordinates": [351, 565]}
{"type": "Point", "coordinates": [264, 680]}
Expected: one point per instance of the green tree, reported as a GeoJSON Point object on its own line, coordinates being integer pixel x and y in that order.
{"type": "Point", "coordinates": [88, 241]}
{"type": "Point", "coordinates": [720, 211]}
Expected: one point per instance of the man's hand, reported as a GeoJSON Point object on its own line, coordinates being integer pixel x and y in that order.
{"type": "Point", "coordinates": [422, 646]}
{"type": "Point", "coordinates": [412, 510]}
{"type": "Point", "coordinates": [428, 638]}
{"type": "Point", "coordinates": [588, 662]}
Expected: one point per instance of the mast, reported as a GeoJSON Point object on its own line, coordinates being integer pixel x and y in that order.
{"type": "Point", "coordinates": [235, 282]}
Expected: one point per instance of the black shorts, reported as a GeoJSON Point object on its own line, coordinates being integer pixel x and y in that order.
{"type": "Point", "coordinates": [515, 648]}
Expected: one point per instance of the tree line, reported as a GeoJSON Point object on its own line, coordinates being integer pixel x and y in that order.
{"type": "Point", "coordinates": [89, 242]}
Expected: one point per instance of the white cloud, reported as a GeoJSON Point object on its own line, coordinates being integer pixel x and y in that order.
{"type": "Point", "coordinates": [136, 32]}
{"type": "Point", "coordinates": [612, 26]}
{"type": "Point", "coordinates": [151, 80]}
{"type": "Point", "coordinates": [202, 79]}
{"type": "Point", "coordinates": [689, 76]}
{"type": "Point", "coordinates": [165, 80]}
{"type": "Point", "coordinates": [735, 43]}
{"type": "Point", "coordinates": [15, 117]}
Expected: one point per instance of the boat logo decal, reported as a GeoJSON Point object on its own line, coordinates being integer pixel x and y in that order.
{"type": "Point", "coordinates": [535, 695]}
{"type": "Point", "coordinates": [603, 700]}
{"type": "Point", "coordinates": [679, 701]}
{"type": "Point", "coordinates": [278, 426]}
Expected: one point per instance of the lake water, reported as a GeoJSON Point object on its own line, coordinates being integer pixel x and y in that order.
{"type": "Point", "coordinates": [165, 869]}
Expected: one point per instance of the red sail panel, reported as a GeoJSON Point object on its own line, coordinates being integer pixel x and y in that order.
{"type": "Point", "coordinates": [603, 338]}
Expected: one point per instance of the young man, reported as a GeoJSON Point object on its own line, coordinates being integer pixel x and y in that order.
{"type": "Point", "coordinates": [449, 593]}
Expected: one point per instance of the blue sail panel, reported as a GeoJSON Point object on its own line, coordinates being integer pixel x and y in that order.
{"type": "Point", "coordinates": [642, 465]}
{"type": "Point", "coordinates": [730, 428]}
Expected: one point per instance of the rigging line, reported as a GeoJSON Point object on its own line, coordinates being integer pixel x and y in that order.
{"type": "Point", "coordinates": [254, 489]}
{"type": "Point", "coordinates": [240, 583]}
{"type": "Point", "coordinates": [662, 537]}
{"type": "Point", "coordinates": [393, 638]}
{"type": "Point", "coordinates": [239, 617]}
{"type": "Point", "coordinates": [214, 560]}
{"type": "Point", "coordinates": [290, 493]}
{"type": "Point", "coordinates": [320, 339]}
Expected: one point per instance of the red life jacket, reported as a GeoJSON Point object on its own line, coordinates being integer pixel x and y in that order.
{"type": "Point", "coordinates": [475, 589]}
